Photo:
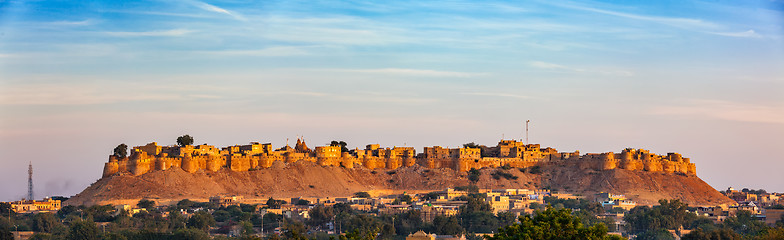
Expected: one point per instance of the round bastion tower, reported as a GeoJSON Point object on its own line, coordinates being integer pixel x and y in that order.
{"type": "Point", "coordinates": [111, 167]}
{"type": "Point", "coordinates": [189, 164]}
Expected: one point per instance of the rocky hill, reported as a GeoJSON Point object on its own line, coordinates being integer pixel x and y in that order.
{"type": "Point", "coordinates": [308, 179]}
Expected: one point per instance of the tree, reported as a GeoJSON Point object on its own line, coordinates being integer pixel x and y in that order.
{"type": "Point", "coordinates": [83, 230]}
{"type": "Point", "coordinates": [656, 234]}
{"type": "Point", "coordinates": [320, 215]}
{"type": "Point", "coordinates": [361, 195]}
{"type": "Point", "coordinates": [551, 224]}
{"type": "Point", "coordinates": [146, 204]}
{"type": "Point", "coordinates": [772, 234]}
{"type": "Point", "coordinates": [719, 233]}
{"type": "Point", "coordinates": [342, 145]}
{"type": "Point", "coordinates": [468, 188]}
{"type": "Point", "coordinates": [744, 223]}
{"type": "Point", "coordinates": [247, 228]}
{"type": "Point", "coordinates": [185, 204]}
{"type": "Point", "coordinates": [274, 204]}
{"type": "Point", "coordinates": [184, 140]}
{"type": "Point", "coordinates": [444, 225]}
{"type": "Point", "coordinates": [473, 175]}
{"type": "Point", "coordinates": [189, 234]}
{"type": "Point", "coordinates": [201, 220]}
{"type": "Point", "coordinates": [121, 151]}
{"type": "Point", "coordinates": [6, 234]}
{"type": "Point", "coordinates": [45, 222]}
{"type": "Point", "coordinates": [667, 215]}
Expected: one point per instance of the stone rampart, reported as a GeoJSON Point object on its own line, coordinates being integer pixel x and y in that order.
{"type": "Point", "coordinates": [518, 155]}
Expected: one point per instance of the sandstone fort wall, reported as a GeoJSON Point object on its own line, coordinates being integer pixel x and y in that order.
{"type": "Point", "coordinates": [151, 157]}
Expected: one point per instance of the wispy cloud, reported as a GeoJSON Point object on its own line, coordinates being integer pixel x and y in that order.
{"type": "Point", "coordinates": [164, 33]}
{"type": "Point", "coordinates": [73, 23]}
{"type": "Point", "coordinates": [84, 94]}
{"type": "Point", "coordinates": [265, 52]}
{"type": "Point", "coordinates": [507, 95]}
{"type": "Point", "coordinates": [725, 110]}
{"type": "Point", "coordinates": [412, 72]}
{"type": "Point", "coordinates": [553, 66]}
{"type": "Point", "coordinates": [745, 34]}
{"type": "Point", "coordinates": [216, 9]}
{"type": "Point", "coordinates": [361, 96]}
{"type": "Point", "coordinates": [671, 21]}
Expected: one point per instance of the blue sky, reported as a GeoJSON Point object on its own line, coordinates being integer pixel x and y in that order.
{"type": "Point", "coordinates": [703, 78]}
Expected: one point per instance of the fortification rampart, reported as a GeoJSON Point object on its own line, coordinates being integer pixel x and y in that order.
{"type": "Point", "coordinates": [151, 157]}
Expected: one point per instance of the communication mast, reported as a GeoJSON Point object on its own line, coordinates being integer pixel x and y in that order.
{"type": "Point", "coordinates": [30, 182]}
{"type": "Point", "coordinates": [526, 131]}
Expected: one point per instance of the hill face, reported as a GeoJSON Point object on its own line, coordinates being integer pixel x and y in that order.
{"type": "Point", "coordinates": [308, 179]}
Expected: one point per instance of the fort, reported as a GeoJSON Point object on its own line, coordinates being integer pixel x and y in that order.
{"type": "Point", "coordinates": [511, 153]}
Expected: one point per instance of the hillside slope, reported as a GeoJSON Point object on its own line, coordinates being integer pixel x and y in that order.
{"type": "Point", "coordinates": [307, 179]}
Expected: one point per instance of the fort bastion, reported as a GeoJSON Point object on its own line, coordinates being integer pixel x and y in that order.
{"type": "Point", "coordinates": [152, 157]}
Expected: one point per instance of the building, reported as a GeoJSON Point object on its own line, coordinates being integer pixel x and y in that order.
{"type": "Point", "coordinates": [33, 206]}
{"type": "Point", "coordinates": [226, 201]}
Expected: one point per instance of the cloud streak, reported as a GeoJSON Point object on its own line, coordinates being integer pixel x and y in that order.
{"type": "Point", "coordinates": [671, 21]}
{"type": "Point", "coordinates": [216, 9]}
{"type": "Point", "coordinates": [725, 110]}
{"type": "Point", "coordinates": [164, 33]}
{"type": "Point", "coordinates": [507, 95]}
{"type": "Point", "coordinates": [746, 34]}
{"type": "Point", "coordinates": [553, 66]}
{"type": "Point", "coordinates": [411, 72]}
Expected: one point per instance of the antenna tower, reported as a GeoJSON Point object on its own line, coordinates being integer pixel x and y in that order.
{"type": "Point", "coordinates": [526, 131]}
{"type": "Point", "coordinates": [30, 182]}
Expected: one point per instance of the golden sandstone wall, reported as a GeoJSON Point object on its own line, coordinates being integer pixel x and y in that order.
{"type": "Point", "coordinates": [510, 153]}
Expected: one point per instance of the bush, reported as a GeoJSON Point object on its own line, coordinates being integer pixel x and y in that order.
{"type": "Point", "coordinates": [502, 174]}
{"type": "Point", "coordinates": [536, 170]}
{"type": "Point", "coordinates": [473, 175]}
{"type": "Point", "coordinates": [361, 195]}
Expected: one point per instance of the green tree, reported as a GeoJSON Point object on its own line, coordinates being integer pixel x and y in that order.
{"type": "Point", "coordinates": [361, 195]}
{"type": "Point", "coordinates": [551, 224]}
{"type": "Point", "coordinates": [717, 233]}
{"type": "Point", "coordinates": [468, 188]}
{"type": "Point", "coordinates": [274, 204]}
{"type": "Point", "coordinates": [667, 215]}
{"type": "Point", "coordinates": [294, 230]}
{"type": "Point", "coordinates": [185, 204]}
{"type": "Point", "coordinates": [342, 145]}
{"type": "Point", "coordinates": [221, 215]}
{"type": "Point", "coordinates": [121, 151]}
{"type": "Point", "coordinates": [189, 234]}
{"type": "Point", "coordinates": [772, 234]}
{"type": "Point", "coordinates": [82, 230]}
{"type": "Point", "coordinates": [45, 222]}
{"type": "Point", "coordinates": [473, 175]}
{"type": "Point", "coordinates": [201, 220]}
{"type": "Point", "coordinates": [656, 234]}
{"type": "Point", "coordinates": [744, 223]}
{"type": "Point", "coordinates": [320, 215]}
{"type": "Point", "coordinates": [246, 228]}
{"type": "Point", "coordinates": [146, 204]}
{"type": "Point", "coordinates": [6, 234]}
{"type": "Point", "coordinates": [505, 218]}
{"type": "Point", "coordinates": [5, 209]}
{"type": "Point", "coordinates": [185, 140]}
{"type": "Point", "coordinates": [444, 225]}
{"type": "Point", "coordinates": [477, 216]}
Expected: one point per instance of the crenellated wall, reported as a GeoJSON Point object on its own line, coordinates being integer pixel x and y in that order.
{"type": "Point", "coordinates": [510, 153]}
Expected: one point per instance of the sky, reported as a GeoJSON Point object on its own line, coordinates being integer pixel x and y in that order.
{"type": "Point", "coordinates": [702, 78]}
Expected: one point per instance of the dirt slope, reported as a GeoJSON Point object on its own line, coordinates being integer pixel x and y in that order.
{"type": "Point", "coordinates": [306, 179]}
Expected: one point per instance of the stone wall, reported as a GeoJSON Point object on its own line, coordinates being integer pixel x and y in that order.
{"type": "Point", "coordinates": [255, 156]}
